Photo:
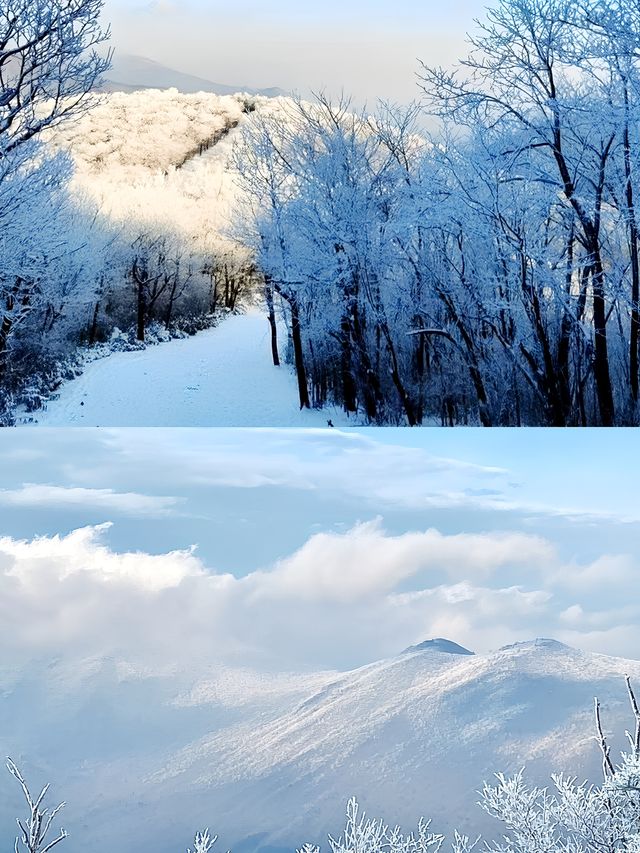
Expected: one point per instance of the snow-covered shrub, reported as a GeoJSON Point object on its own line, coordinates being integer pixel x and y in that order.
{"type": "Point", "coordinates": [203, 842]}
{"type": "Point", "coordinates": [370, 835]}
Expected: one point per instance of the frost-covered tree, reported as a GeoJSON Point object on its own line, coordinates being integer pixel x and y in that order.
{"type": "Point", "coordinates": [572, 816]}
{"type": "Point", "coordinates": [326, 189]}
{"type": "Point", "coordinates": [554, 82]}
{"type": "Point", "coordinates": [48, 64]}
{"type": "Point", "coordinates": [48, 67]}
{"type": "Point", "coordinates": [34, 829]}
{"type": "Point", "coordinates": [365, 835]}
{"type": "Point", "coordinates": [203, 842]}
{"type": "Point", "coordinates": [488, 275]}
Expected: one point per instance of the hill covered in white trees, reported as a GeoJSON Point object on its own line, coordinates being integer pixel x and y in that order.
{"type": "Point", "coordinates": [158, 162]}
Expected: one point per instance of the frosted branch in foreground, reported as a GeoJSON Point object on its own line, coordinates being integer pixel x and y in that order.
{"type": "Point", "coordinates": [34, 830]}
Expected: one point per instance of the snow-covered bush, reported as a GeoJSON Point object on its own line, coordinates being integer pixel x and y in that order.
{"type": "Point", "coordinates": [366, 835]}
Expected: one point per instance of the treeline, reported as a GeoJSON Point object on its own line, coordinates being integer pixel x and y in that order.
{"type": "Point", "coordinates": [488, 274]}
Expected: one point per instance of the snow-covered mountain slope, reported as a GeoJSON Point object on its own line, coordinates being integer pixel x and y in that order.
{"type": "Point", "coordinates": [131, 73]}
{"type": "Point", "coordinates": [158, 162]}
{"type": "Point", "coordinates": [269, 761]}
{"type": "Point", "coordinates": [414, 735]}
{"type": "Point", "coordinates": [95, 727]}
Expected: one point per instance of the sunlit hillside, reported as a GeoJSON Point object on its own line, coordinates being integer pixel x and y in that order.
{"type": "Point", "coordinates": [160, 160]}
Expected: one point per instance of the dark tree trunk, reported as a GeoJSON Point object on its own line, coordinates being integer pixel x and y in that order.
{"type": "Point", "coordinates": [471, 359]}
{"type": "Point", "coordinates": [141, 311]}
{"type": "Point", "coordinates": [272, 323]}
{"type": "Point", "coordinates": [349, 395]}
{"type": "Point", "coordinates": [407, 404]}
{"type": "Point", "coordinates": [634, 338]}
{"type": "Point", "coordinates": [370, 378]}
{"type": "Point", "coordinates": [301, 374]}
{"type": "Point", "coordinates": [591, 229]}
{"type": "Point", "coordinates": [601, 361]}
{"type": "Point", "coordinates": [564, 344]}
{"type": "Point", "coordinates": [93, 329]}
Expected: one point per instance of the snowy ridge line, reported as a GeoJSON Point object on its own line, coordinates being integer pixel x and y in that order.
{"type": "Point", "coordinates": [135, 73]}
{"type": "Point", "coordinates": [389, 727]}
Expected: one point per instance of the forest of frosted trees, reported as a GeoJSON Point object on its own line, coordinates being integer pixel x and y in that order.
{"type": "Point", "coordinates": [486, 275]}
{"type": "Point", "coordinates": [471, 259]}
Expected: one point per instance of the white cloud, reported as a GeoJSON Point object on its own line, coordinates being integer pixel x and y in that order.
{"type": "Point", "coordinates": [609, 571]}
{"type": "Point", "coordinates": [329, 461]}
{"type": "Point", "coordinates": [129, 503]}
{"type": "Point", "coordinates": [55, 559]}
{"type": "Point", "coordinates": [366, 561]}
{"type": "Point", "coordinates": [336, 601]}
{"type": "Point", "coordinates": [380, 475]}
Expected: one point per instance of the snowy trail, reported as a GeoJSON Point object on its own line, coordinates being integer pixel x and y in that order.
{"type": "Point", "coordinates": [220, 377]}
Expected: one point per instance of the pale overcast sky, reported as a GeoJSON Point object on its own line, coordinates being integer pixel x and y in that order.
{"type": "Point", "coordinates": [369, 48]}
{"type": "Point", "coordinates": [315, 549]}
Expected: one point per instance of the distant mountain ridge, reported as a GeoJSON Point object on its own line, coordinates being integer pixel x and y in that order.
{"type": "Point", "coordinates": [130, 73]}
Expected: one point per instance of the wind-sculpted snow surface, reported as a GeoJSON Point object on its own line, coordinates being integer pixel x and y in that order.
{"type": "Point", "coordinates": [269, 761]}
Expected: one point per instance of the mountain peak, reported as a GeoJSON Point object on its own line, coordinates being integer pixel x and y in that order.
{"type": "Point", "coordinates": [539, 643]}
{"type": "Point", "coordinates": [439, 644]}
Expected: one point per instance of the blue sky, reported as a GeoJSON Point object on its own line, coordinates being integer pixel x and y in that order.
{"type": "Point", "coordinates": [369, 49]}
{"type": "Point", "coordinates": [489, 536]}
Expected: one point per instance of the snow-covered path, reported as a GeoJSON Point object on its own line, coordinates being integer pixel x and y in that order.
{"type": "Point", "coordinates": [221, 377]}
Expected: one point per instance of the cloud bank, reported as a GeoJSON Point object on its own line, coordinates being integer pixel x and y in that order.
{"type": "Point", "coordinates": [339, 600]}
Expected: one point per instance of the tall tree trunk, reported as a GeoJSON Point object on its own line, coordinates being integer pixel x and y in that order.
{"type": "Point", "coordinates": [601, 361]}
{"type": "Point", "coordinates": [549, 385]}
{"type": "Point", "coordinates": [141, 311]}
{"type": "Point", "coordinates": [268, 291]}
{"type": "Point", "coordinates": [470, 357]}
{"type": "Point", "coordinates": [301, 373]}
{"type": "Point", "coordinates": [349, 395]}
{"type": "Point", "coordinates": [634, 337]}
{"type": "Point", "coordinates": [564, 344]}
{"type": "Point", "coordinates": [407, 404]}
{"type": "Point", "coordinates": [369, 378]}
{"type": "Point", "coordinates": [591, 229]}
